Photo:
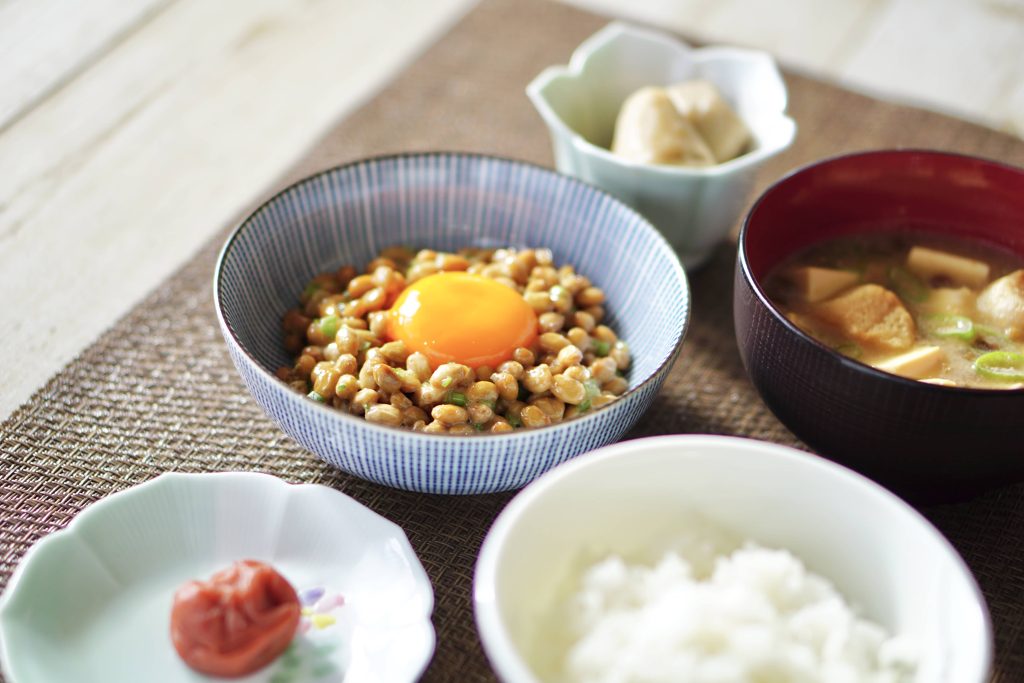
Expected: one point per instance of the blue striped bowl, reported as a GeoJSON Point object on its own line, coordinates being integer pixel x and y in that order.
{"type": "Point", "coordinates": [445, 201]}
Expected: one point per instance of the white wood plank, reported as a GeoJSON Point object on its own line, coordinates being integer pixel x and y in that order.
{"type": "Point", "coordinates": [808, 33]}
{"type": "Point", "coordinates": [114, 180]}
{"type": "Point", "coordinates": [965, 57]}
{"type": "Point", "coordinates": [45, 43]}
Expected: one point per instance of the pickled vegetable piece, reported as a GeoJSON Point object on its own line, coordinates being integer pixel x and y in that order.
{"type": "Point", "coordinates": [703, 105]}
{"type": "Point", "coordinates": [649, 130]}
{"type": "Point", "coordinates": [235, 623]}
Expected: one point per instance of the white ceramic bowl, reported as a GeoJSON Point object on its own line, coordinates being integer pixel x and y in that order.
{"type": "Point", "coordinates": [631, 499]}
{"type": "Point", "coordinates": [99, 592]}
{"type": "Point", "coordinates": [693, 207]}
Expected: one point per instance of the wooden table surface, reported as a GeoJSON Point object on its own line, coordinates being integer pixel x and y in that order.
{"type": "Point", "coordinates": [130, 130]}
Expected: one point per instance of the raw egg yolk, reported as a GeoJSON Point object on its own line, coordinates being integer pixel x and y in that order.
{"type": "Point", "coordinates": [462, 318]}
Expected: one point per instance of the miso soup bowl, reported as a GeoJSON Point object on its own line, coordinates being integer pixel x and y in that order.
{"type": "Point", "coordinates": [928, 442]}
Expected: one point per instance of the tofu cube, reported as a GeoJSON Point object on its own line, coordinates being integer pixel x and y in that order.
{"type": "Point", "coordinates": [869, 315]}
{"type": "Point", "coordinates": [918, 363]}
{"type": "Point", "coordinates": [817, 284]}
{"type": "Point", "coordinates": [930, 263]}
{"type": "Point", "coordinates": [939, 381]}
{"type": "Point", "coordinates": [1002, 304]}
{"type": "Point", "coordinates": [953, 300]}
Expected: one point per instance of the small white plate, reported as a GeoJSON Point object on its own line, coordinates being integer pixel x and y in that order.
{"type": "Point", "coordinates": [92, 602]}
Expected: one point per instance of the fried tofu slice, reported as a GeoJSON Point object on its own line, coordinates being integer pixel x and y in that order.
{"type": "Point", "coordinates": [869, 315]}
{"type": "Point", "coordinates": [919, 363]}
{"type": "Point", "coordinates": [930, 263]}
{"type": "Point", "coordinates": [1002, 304]}
{"type": "Point", "coordinates": [814, 284]}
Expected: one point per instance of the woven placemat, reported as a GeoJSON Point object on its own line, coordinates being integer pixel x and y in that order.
{"type": "Point", "coordinates": [158, 391]}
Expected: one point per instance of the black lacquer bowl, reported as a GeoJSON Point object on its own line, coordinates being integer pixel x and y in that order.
{"type": "Point", "coordinates": [928, 442]}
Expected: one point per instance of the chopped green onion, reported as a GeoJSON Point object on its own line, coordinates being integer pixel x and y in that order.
{"type": "Point", "coordinates": [329, 325]}
{"type": "Point", "coordinates": [446, 382]}
{"type": "Point", "coordinates": [341, 386]}
{"type": "Point", "coordinates": [515, 421]}
{"type": "Point", "coordinates": [950, 326]}
{"type": "Point", "coordinates": [593, 388]}
{"type": "Point", "coordinates": [584, 406]}
{"type": "Point", "coordinates": [311, 289]}
{"type": "Point", "coordinates": [407, 378]}
{"type": "Point", "coordinates": [1001, 365]}
{"type": "Point", "coordinates": [365, 345]}
{"type": "Point", "coordinates": [601, 347]}
{"type": "Point", "coordinates": [458, 398]}
{"type": "Point", "coordinates": [908, 285]}
{"type": "Point", "coordinates": [492, 404]}
{"type": "Point", "coordinates": [478, 427]}
{"type": "Point", "coordinates": [316, 397]}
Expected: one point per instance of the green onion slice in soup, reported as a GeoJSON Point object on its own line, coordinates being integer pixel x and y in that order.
{"type": "Point", "coordinates": [907, 285]}
{"type": "Point", "coordinates": [1002, 365]}
{"type": "Point", "coordinates": [949, 326]}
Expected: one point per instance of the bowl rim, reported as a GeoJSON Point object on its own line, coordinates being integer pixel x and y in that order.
{"type": "Point", "coordinates": [851, 363]}
{"type": "Point", "coordinates": [617, 30]}
{"type": "Point", "coordinates": [655, 375]}
{"type": "Point", "coordinates": [505, 657]}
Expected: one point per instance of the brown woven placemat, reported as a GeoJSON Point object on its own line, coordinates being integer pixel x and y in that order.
{"type": "Point", "coordinates": [158, 391]}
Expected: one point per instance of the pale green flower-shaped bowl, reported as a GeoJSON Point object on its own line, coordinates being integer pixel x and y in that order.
{"type": "Point", "coordinates": [694, 208]}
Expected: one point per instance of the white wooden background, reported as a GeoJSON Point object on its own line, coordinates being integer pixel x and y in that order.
{"type": "Point", "coordinates": [130, 130]}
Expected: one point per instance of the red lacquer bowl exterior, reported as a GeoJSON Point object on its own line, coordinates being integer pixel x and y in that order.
{"type": "Point", "coordinates": [925, 441]}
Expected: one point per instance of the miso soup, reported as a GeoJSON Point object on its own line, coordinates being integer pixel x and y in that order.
{"type": "Point", "coordinates": [929, 308]}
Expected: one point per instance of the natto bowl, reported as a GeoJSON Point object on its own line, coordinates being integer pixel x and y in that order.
{"type": "Point", "coordinates": [928, 442]}
{"type": "Point", "coordinates": [445, 201]}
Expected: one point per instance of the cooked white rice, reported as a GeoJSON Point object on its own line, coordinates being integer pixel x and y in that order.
{"type": "Point", "coordinates": [760, 617]}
